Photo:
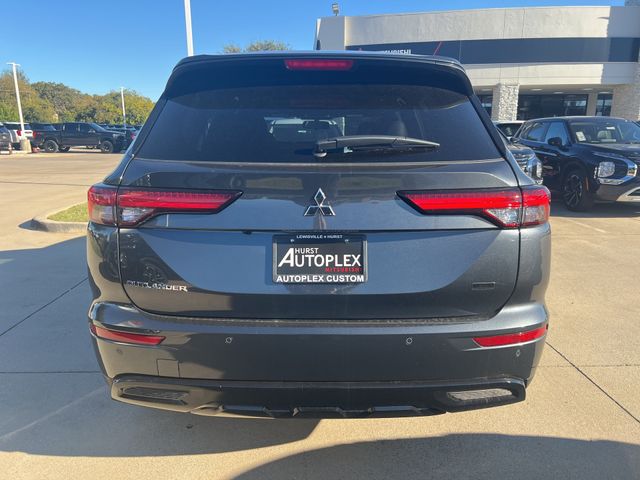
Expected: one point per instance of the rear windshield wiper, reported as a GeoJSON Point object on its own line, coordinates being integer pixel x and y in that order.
{"type": "Point", "coordinates": [371, 142]}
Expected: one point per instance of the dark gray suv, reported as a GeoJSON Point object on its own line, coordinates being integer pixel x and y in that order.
{"type": "Point", "coordinates": [318, 234]}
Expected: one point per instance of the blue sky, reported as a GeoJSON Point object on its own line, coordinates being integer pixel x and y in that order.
{"type": "Point", "coordinates": [97, 46]}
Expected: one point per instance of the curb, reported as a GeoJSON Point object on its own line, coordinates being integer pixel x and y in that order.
{"type": "Point", "coordinates": [44, 224]}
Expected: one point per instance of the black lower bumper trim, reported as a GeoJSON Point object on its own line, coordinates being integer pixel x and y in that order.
{"type": "Point", "coordinates": [315, 399]}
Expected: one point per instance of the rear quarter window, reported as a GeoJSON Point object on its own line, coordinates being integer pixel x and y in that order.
{"type": "Point", "coordinates": [281, 123]}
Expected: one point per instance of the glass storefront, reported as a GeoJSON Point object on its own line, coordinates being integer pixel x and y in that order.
{"type": "Point", "coordinates": [521, 50]}
{"type": "Point", "coordinates": [487, 102]}
{"type": "Point", "coordinates": [603, 106]}
{"type": "Point", "coordinates": [553, 105]}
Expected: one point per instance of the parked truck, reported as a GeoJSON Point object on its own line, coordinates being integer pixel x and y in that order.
{"type": "Point", "coordinates": [80, 134]}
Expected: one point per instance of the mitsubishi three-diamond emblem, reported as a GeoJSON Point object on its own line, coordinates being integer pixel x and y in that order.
{"type": "Point", "coordinates": [320, 206]}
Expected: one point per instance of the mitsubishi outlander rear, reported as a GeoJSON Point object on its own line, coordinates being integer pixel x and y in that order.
{"type": "Point", "coordinates": [303, 234]}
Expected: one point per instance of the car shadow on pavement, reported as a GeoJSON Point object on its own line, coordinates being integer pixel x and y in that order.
{"type": "Point", "coordinates": [477, 456]}
{"type": "Point", "coordinates": [54, 401]}
{"type": "Point", "coordinates": [89, 424]}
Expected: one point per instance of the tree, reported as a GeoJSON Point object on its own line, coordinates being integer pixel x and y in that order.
{"type": "Point", "coordinates": [34, 108]}
{"type": "Point", "coordinates": [257, 46]}
{"type": "Point", "coordinates": [109, 109]}
{"type": "Point", "coordinates": [64, 100]}
{"type": "Point", "coordinates": [56, 102]}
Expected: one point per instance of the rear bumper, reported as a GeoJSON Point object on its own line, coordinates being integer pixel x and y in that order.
{"type": "Point", "coordinates": [315, 399]}
{"type": "Point", "coordinates": [279, 368]}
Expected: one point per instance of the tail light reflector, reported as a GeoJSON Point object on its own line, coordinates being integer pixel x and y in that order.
{"type": "Point", "coordinates": [125, 337]}
{"type": "Point", "coordinates": [129, 207]}
{"type": "Point", "coordinates": [507, 208]}
{"type": "Point", "coordinates": [511, 338]}
{"type": "Point", "coordinates": [318, 64]}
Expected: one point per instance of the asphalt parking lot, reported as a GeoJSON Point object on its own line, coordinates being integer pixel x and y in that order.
{"type": "Point", "coordinates": [581, 419]}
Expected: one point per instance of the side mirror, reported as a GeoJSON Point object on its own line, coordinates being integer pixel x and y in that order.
{"type": "Point", "coordinates": [92, 130]}
{"type": "Point", "coordinates": [555, 142]}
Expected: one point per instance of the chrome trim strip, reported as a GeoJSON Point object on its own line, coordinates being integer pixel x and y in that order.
{"type": "Point", "coordinates": [627, 197]}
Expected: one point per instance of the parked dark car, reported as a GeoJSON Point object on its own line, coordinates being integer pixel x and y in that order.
{"type": "Point", "coordinates": [396, 268]}
{"type": "Point", "coordinates": [5, 139]}
{"type": "Point", "coordinates": [587, 158]}
{"type": "Point", "coordinates": [525, 157]}
{"type": "Point", "coordinates": [129, 133]}
{"type": "Point", "coordinates": [74, 134]}
{"type": "Point", "coordinates": [40, 131]}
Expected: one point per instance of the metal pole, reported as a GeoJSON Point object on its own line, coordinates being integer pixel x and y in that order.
{"type": "Point", "coordinates": [187, 19]}
{"type": "Point", "coordinates": [124, 113]}
{"type": "Point", "coordinates": [15, 82]}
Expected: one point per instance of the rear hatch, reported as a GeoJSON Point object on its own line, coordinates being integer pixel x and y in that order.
{"type": "Point", "coordinates": [312, 236]}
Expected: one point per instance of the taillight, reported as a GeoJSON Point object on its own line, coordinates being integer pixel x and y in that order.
{"type": "Point", "coordinates": [125, 337]}
{"type": "Point", "coordinates": [318, 64]}
{"type": "Point", "coordinates": [102, 205]}
{"type": "Point", "coordinates": [536, 205]}
{"type": "Point", "coordinates": [19, 132]}
{"type": "Point", "coordinates": [511, 338]}
{"type": "Point", "coordinates": [129, 207]}
{"type": "Point", "coordinates": [507, 208]}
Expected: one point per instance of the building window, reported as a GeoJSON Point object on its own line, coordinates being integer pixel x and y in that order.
{"type": "Point", "coordinates": [557, 105]}
{"type": "Point", "coordinates": [487, 102]}
{"type": "Point", "coordinates": [603, 105]}
{"type": "Point", "coordinates": [521, 50]}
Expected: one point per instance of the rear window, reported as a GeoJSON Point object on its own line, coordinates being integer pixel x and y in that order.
{"type": "Point", "coordinates": [282, 123]}
{"type": "Point", "coordinates": [509, 129]}
{"type": "Point", "coordinates": [16, 126]}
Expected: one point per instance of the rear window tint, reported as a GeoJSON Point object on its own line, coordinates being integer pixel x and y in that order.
{"type": "Point", "coordinates": [281, 123]}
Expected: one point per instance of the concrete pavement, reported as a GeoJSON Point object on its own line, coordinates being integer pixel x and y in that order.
{"type": "Point", "coordinates": [581, 419]}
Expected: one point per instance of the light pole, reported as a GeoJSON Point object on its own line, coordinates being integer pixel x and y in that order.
{"type": "Point", "coordinates": [124, 113]}
{"type": "Point", "coordinates": [15, 82]}
{"type": "Point", "coordinates": [187, 19]}
{"type": "Point", "coordinates": [25, 144]}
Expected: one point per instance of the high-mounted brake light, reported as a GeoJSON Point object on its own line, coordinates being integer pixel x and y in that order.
{"type": "Point", "coordinates": [318, 64]}
{"type": "Point", "coordinates": [507, 208]}
{"type": "Point", "coordinates": [131, 206]}
{"type": "Point", "coordinates": [125, 337]}
{"type": "Point", "coordinates": [511, 338]}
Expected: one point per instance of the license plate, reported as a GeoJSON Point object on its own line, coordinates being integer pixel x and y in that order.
{"type": "Point", "coordinates": [319, 258]}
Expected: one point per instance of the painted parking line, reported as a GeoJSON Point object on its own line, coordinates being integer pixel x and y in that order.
{"type": "Point", "coordinates": [599, 230]}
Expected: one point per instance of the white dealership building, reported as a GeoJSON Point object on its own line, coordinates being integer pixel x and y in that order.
{"type": "Point", "coordinates": [523, 62]}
